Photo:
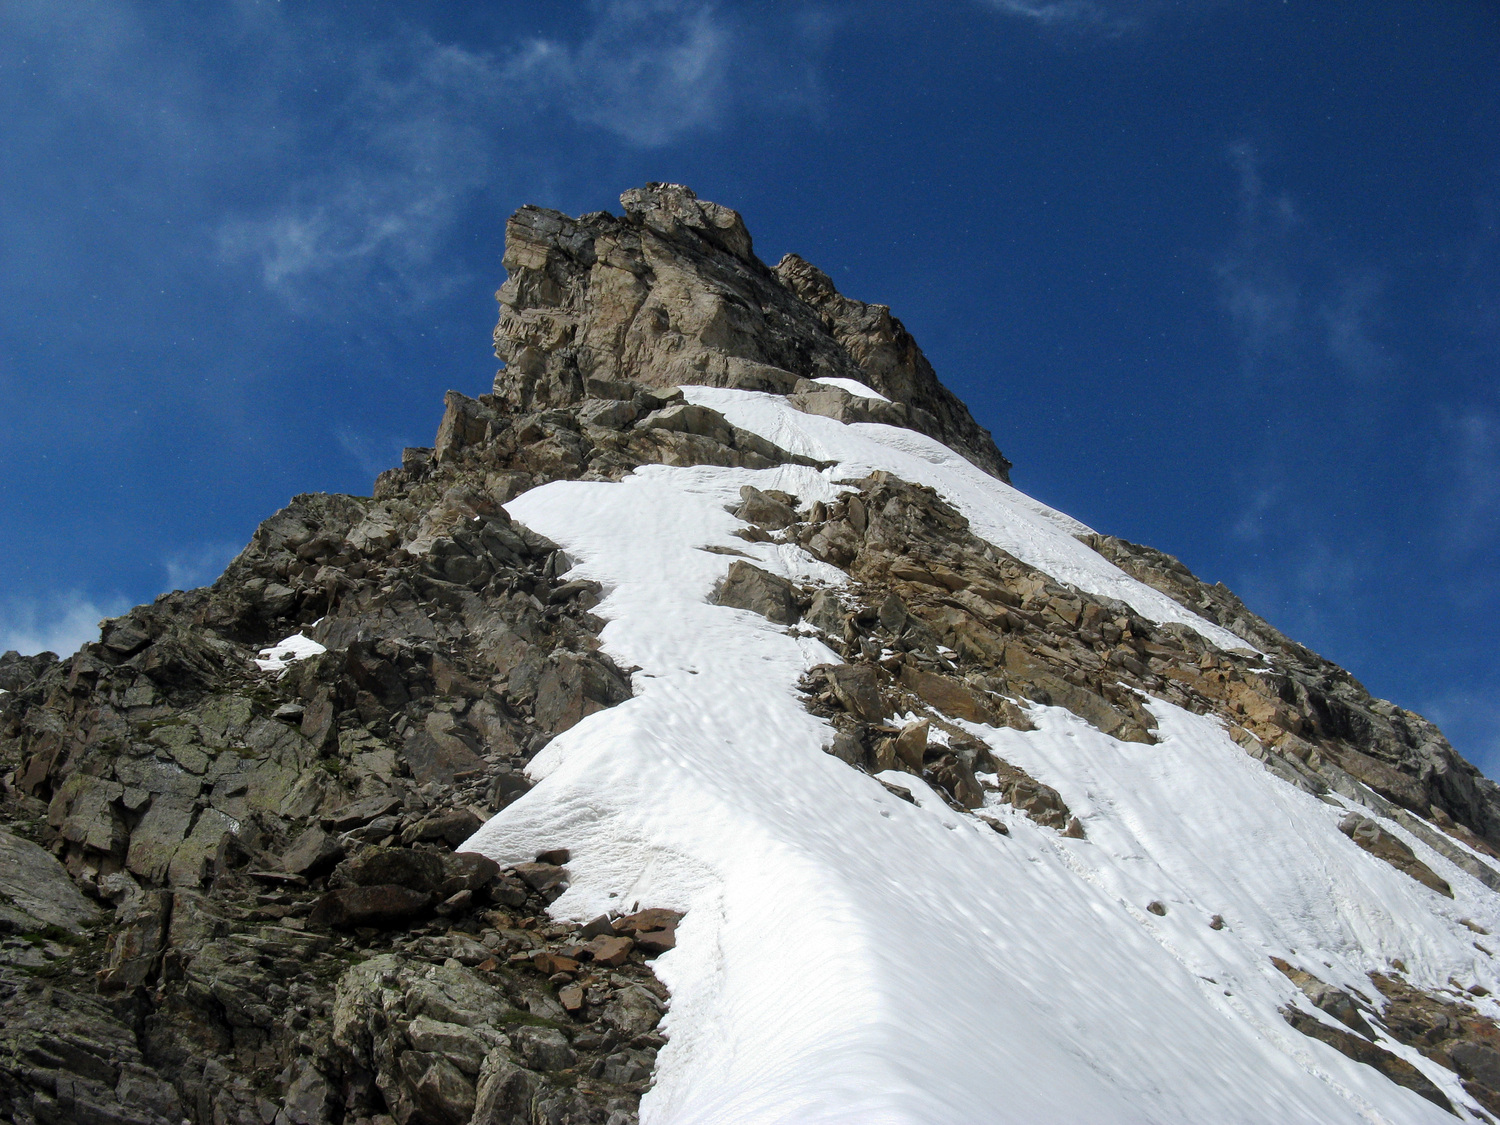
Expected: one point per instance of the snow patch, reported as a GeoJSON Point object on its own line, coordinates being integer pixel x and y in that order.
{"type": "Point", "coordinates": [853, 386]}
{"type": "Point", "coordinates": [284, 653]}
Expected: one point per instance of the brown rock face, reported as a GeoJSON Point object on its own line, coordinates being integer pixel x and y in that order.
{"type": "Point", "coordinates": [672, 293]}
{"type": "Point", "coordinates": [1384, 845]}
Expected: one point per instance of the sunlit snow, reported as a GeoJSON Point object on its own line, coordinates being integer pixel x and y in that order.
{"type": "Point", "coordinates": [853, 386]}
{"type": "Point", "coordinates": [278, 657]}
{"type": "Point", "coordinates": [847, 956]}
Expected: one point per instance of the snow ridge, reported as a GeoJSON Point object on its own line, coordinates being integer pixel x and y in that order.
{"type": "Point", "coordinates": [849, 957]}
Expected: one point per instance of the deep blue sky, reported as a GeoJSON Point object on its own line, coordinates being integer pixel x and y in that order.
{"type": "Point", "coordinates": [1222, 277]}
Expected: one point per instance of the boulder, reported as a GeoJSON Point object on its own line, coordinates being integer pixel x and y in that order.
{"type": "Point", "coordinates": [544, 1048]}
{"type": "Point", "coordinates": [134, 948]}
{"type": "Point", "coordinates": [1039, 801]}
{"type": "Point", "coordinates": [466, 1047]}
{"type": "Point", "coordinates": [747, 586]}
{"type": "Point", "coordinates": [440, 749]}
{"type": "Point", "coordinates": [376, 866]}
{"type": "Point", "coordinates": [758, 508]}
{"type": "Point", "coordinates": [505, 1092]}
{"type": "Point", "coordinates": [452, 827]}
{"type": "Point", "coordinates": [575, 685]}
{"type": "Point", "coordinates": [950, 696]}
{"type": "Point", "coordinates": [361, 812]}
{"type": "Point", "coordinates": [383, 905]}
{"type": "Point", "coordinates": [34, 884]}
{"type": "Point", "coordinates": [549, 964]}
{"type": "Point", "coordinates": [314, 852]}
{"type": "Point", "coordinates": [685, 418]}
{"type": "Point", "coordinates": [542, 876]}
{"type": "Point", "coordinates": [654, 918]}
{"type": "Point", "coordinates": [953, 774]}
{"type": "Point", "coordinates": [466, 871]}
{"type": "Point", "coordinates": [848, 748]}
{"type": "Point", "coordinates": [609, 951]}
{"type": "Point", "coordinates": [827, 613]}
{"type": "Point", "coordinates": [911, 745]}
{"type": "Point", "coordinates": [1393, 850]}
{"type": "Point", "coordinates": [653, 942]}
{"type": "Point", "coordinates": [632, 1011]}
{"type": "Point", "coordinates": [440, 1094]}
{"type": "Point", "coordinates": [610, 414]}
{"type": "Point", "coordinates": [857, 688]}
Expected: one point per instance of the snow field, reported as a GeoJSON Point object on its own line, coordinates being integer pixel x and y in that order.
{"type": "Point", "coordinates": [849, 957]}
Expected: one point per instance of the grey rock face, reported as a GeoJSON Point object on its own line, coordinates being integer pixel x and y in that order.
{"type": "Point", "coordinates": [35, 891]}
{"type": "Point", "coordinates": [65, 1058]}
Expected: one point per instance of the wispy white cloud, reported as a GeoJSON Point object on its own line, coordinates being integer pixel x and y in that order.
{"type": "Point", "coordinates": [1473, 480]}
{"type": "Point", "coordinates": [61, 623]}
{"type": "Point", "coordinates": [349, 159]}
{"type": "Point", "coordinates": [1053, 13]}
{"type": "Point", "coordinates": [1249, 527]}
{"type": "Point", "coordinates": [374, 455]}
{"type": "Point", "coordinates": [1256, 284]}
{"type": "Point", "coordinates": [365, 219]}
{"type": "Point", "coordinates": [1111, 18]}
{"type": "Point", "coordinates": [198, 566]}
{"type": "Point", "coordinates": [1349, 317]}
{"type": "Point", "coordinates": [1295, 306]}
{"type": "Point", "coordinates": [648, 71]}
{"type": "Point", "coordinates": [426, 124]}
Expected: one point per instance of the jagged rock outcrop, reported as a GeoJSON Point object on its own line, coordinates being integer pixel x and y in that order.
{"type": "Point", "coordinates": [672, 293]}
{"type": "Point", "coordinates": [228, 884]}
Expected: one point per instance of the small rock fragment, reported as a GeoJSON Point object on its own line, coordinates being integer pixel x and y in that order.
{"type": "Point", "coordinates": [610, 951]}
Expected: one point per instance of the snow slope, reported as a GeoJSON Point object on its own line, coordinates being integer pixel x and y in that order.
{"type": "Point", "coordinates": [1006, 516]}
{"type": "Point", "coordinates": [849, 957]}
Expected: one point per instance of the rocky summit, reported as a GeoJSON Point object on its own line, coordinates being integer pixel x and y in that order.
{"type": "Point", "coordinates": [704, 730]}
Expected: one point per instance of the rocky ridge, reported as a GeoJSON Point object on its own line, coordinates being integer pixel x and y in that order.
{"type": "Point", "coordinates": [240, 899]}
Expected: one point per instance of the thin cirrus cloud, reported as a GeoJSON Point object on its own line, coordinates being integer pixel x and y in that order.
{"type": "Point", "coordinates": [432, 121]}
{"type": "Point", "coordinates": [1110, 18]}
{"type": "Point", "coordinates": [647, 72]}
{"type": "Point", "coordinates": [1473, 514]}
{"type": "Point", "coordinates": [1256, 283]}
{"type": "Point", "coordinates": [1294, 306]}
{"type": "Point", "coordinates": [1348, 318]}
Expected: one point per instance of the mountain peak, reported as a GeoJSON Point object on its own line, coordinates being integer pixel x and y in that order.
{"type": "Point", "coordinates": [703, 730]}
{"type": "Point", "coordinates": [672, 295]}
